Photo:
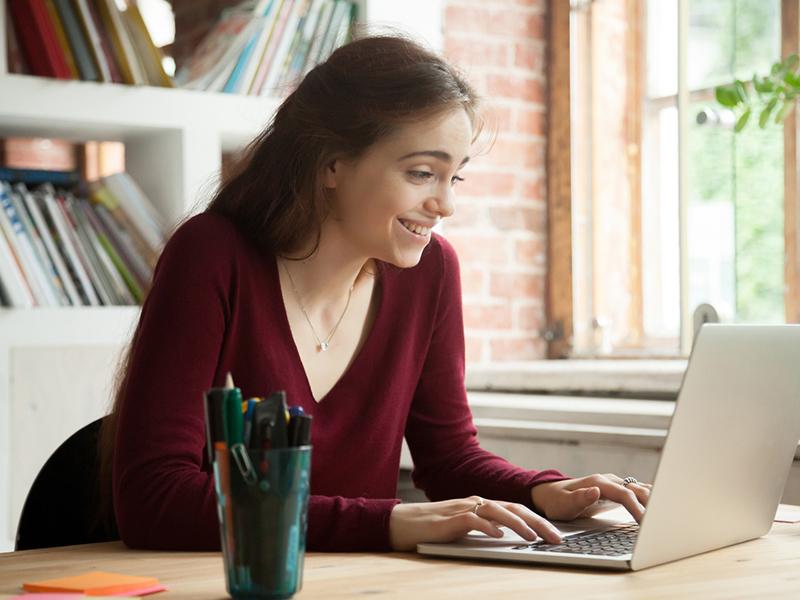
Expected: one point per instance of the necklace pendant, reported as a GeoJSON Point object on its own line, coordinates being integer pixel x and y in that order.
{"type": "Point", "coordinates": [323, 346]}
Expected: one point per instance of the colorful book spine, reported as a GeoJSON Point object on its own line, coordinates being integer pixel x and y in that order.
{"type": "Point", "coordinates": [37, 38]}
{"type": "Point", "coordinates": [24, 249]}
{"type": "Point", "coordinates": [80, 48]}
{"type": "Point", "coordinates": [56, 296]}
{"type": "Point", "coordinates": [33, 205]}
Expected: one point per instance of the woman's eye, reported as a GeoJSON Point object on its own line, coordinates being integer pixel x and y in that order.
{"type": "Point", "coordinates": [455, 178]}
{"type": "Point", "coordinates": [421, 175]}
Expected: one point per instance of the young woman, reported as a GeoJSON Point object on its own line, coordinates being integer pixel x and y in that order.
{"type": "Point", "coordinates": [314, 270]}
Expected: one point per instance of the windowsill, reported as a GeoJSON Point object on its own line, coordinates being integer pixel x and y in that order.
{"type": "Point", "coordinates": [652, 379]}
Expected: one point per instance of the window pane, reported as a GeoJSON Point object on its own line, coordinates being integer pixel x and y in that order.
{"type": "Point", "coordinates": [735, 220]}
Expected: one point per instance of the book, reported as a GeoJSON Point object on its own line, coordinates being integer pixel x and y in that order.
{"type": "Point", "coordinates": [56, 296]}
{"type": "Point", "coordinates": [131, 69]}
{"type": "Point", "coordinates": [16, 290]}
{"type": "Point", "coordinates": [312, 56]}
{"type": "Point", "coordinates": [235, 81]}
{"type": "Point", "coordinates": [105, 223]}
{"type": "Point", "coordinates": [21, 243]}
{"type": "Point", "coordinates": [105, 41]}
{"type": "Point", "coordinates": [37, 39]}
{"type": "Point", "coordinates": [87, 264]}
{"type": "Point", "coordinates": [33, 204]}
{"type": "Point", "coordinates": [80, 48]}
{"type": "Point", "coordinates": [16, 60]}
{"type": "Point", "coordinates": [61, 36]}
{"type": "Point", "coordinates": [268, 60]}
{"type": "Point", "coordinates": [37, 154]}
{"type": "Point", "coordinates": [59, 230]}
{"type": "Point", "coordinates": [215, 57]}
{"type": "Point", "coordinates": [265, 36]}
{"type": "Point", "coordinates": [300, 53]}
{"type": "Point", "coordinates": [120, 290]}
{"type": "Point", "coordinates": [39, 176]}
{"type": "Point", "coordinates": [138, 209]}
{"type": "Point", "coordinates": [150, 56]}
{"type": "Point", "coordinates": [92, 36]}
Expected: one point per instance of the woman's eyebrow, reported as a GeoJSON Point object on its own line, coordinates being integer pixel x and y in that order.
{"type": "Point", "coordinates": [440, 154]}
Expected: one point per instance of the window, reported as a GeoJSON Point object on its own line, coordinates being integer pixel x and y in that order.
{"type": "Point", "coordinates": [670, 209]}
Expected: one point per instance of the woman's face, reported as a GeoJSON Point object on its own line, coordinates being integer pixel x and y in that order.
{"type": "Point", "coordinates": [402, 181]}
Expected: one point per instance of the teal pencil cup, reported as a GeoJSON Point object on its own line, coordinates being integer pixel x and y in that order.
{"type": "Point", "coordinates": [262, 504]}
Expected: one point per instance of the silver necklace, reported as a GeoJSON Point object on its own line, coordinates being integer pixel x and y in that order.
{"type": "Point", "coordinates": [321, 344]}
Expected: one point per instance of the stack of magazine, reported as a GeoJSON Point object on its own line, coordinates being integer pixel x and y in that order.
{"type": "Point", "coordinates": [261, 46]}
{"type": "Point", "coordinates": [92, 40]}
{"type": "Point", "coordinates": [59, 248]}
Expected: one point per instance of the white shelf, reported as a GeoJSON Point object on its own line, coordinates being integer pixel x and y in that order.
{"type": "Point", "coordinates": [81, 110]}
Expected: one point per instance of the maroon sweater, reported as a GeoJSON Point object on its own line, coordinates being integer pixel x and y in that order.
{"type": "Point", "coordinates": [215, 306]}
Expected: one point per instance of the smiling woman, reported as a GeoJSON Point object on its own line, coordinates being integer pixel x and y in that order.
{"type": "Point", "coordinates": [314, 270]}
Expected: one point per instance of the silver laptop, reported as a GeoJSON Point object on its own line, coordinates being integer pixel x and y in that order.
{"type": "Point", "coordinates": [730, 445]}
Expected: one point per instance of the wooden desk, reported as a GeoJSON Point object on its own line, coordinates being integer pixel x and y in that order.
{"type": "Point", "coordinates": [765, 568]}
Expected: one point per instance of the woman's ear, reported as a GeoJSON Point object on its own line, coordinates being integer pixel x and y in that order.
{"type": "Point", "coordinates": [329, 175]}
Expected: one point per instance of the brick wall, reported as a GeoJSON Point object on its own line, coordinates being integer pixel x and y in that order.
{"type": "Point", "coordinates": [499, 228]}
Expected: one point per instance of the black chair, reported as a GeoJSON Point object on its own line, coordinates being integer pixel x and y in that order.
{"type": "Point", "coordinates": [63, 505]}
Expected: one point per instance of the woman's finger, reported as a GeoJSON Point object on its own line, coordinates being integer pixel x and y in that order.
{"type": "Point", "coordinates": [491, 510]}
{"type": "Point", "coordinates": [623, 495]}
{"type": "Point", "coordinates": [539, 524]}
{"type": "Point", "coordinates": [642, 492]}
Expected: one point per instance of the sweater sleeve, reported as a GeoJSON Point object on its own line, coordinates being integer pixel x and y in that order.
{"type": "Point", "coordinates": [163, 493]}
{"type": "Point", "coordinates": [448, 461]}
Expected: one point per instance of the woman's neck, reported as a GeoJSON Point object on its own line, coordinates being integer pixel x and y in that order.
{"type": "Point", "coordinates": [323, 280]}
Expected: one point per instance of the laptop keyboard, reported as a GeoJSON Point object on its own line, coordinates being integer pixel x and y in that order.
{"type": "Point", "coordinates": [608, 542]}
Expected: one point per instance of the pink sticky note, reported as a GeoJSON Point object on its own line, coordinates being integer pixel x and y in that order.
{"type": "Point", "coordinates": [153, 589]}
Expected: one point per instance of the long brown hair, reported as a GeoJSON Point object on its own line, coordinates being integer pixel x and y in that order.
{"type": "Point", "coordinates": [361, 93]}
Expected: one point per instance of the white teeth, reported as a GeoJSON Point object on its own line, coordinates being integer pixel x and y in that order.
{"type": "Point", "coordinates": [419, 230]}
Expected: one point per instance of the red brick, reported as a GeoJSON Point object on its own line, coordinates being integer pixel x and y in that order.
{"type": "Point", "coordinates": [480, 184]}
{"type": "Point", "coordinates": [511, 153]}
{"type": "Point", "coordinates": [493, 317]}
{"type": "Point", "coordinates": [499, 119]}
{"type": "Point", "coordinates": [518, 217]}
{"type": "Point", "coordinates": [516, 285]}
{"type": "Point", "coordinates": [467, 214]}
{"type": "Point", "coordinates": [494, 20]}
{"type": "Point", "coordinates": [473, 280]}
{"type": "Point", "coordinates": [530, 55]}
{"type": "Point", "coordinates": [477, 52]}
{"type": "Point", "coordinates": [530, 252]}
{"type": "Point", "coordinates": [531, 121]}
{"type": "Point", "coordinates": [529, 318]}
{"type": "Point", "coordinates": [515, 349]}
{"type": "Point", "coordinates": [534, 188]}
{"type": "Point", "coordinates": [518, 87]}
{"type": "Point", "coordinates": [475, 348]}
{"type": "Point", "coordinates": [474, 249]}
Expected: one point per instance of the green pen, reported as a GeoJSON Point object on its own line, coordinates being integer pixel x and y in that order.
{"type": "Point", "coordinates": [234, 420]}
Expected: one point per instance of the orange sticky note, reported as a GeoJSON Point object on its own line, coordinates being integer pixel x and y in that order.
{"type": "Point", "coordinates": [93, 583]}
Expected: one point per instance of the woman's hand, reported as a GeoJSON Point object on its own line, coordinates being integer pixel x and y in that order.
{"type": "Point", "coordinates": [411, 524]}
{"type": "Point", "coordinates": [573, 498]}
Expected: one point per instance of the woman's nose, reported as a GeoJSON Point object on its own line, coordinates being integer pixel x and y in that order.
{"type": "Point", "coordinates": [443, 204]}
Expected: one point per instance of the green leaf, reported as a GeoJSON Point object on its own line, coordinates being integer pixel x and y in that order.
{"type": "Point", "coordinates": [726, 96]}
{"type": "Point", "coordinates": [764, 116]}
{"type": "Point", "coordinates": [741, 90]}
{"type": "Point", "coordinates": [742, 120]}
{"type": "Point", "coordinates": [784, 111]}
{"type": "Point", "coordinates": [790, 62]}
{"type": "Point", "coordinates": [762, 85]}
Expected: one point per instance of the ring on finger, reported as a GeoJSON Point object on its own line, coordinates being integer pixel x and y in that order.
{"type": "Point", "coordinates": [628, 480]}
{"type": "Point", "coordinates": [478, 504]}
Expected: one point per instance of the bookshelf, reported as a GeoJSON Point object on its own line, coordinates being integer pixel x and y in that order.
{"type": "Point", "coordinates": [57, 364]}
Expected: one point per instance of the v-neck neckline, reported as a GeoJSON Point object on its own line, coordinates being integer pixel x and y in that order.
{"type": "Point", "coordinates": [287, 329]}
